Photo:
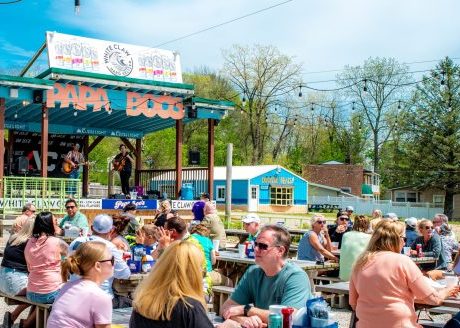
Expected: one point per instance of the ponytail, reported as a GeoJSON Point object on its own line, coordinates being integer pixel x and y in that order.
{"type": "Point", "coordinates": [70, 266]}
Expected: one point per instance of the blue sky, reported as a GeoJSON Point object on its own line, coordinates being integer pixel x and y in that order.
{"type": "Point", "coordinates": [323, 35]}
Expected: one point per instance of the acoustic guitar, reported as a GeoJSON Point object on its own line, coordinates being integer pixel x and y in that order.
{"type": "Point", "coordinates": [67, 168]}
{"type": "Point", "coordinates": [119, 165]}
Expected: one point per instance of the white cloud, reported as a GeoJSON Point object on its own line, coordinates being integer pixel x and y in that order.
{"type": "Point", "coordinates": [15, 50]}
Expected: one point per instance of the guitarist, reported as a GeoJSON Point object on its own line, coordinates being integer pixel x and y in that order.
{"type": "Point", "coordinates": [75, 159]}
{"type": "Point", "coordinates": [123, 164]}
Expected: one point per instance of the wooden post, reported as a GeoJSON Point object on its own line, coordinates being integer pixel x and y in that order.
{"type": "Point", "coordinates": [85, 185]}
{"type": "Point", "coordinates": [44, 145]}
{"type": "Point", "coordinates": [2, 143]}
{"type": "Point", "coordinates": [138, 161]}
{"type": "Point", "coordinates": [210, 157]}
{"type": "Point", "coordinates": [179, 139]}
{"type": "Point", "coordinates": [10, 151]}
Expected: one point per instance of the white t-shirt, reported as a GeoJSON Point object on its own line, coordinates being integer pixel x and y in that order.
{"type": "Point", "coordinates": [82, 304]}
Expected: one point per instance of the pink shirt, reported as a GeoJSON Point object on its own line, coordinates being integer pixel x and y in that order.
{"type": "Point", "coordinates": [43, 257]}
{"type": "Point", "coordinates": [209, 208]}
{"type": "Point", "coordinates": [383, 291]}
{"type": "Point", "coordinates": [81, 304]}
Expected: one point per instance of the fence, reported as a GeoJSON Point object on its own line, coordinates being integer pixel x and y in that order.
{"type": "Point", "coordinates": [46, 193]}
{"type": "Point", "coordinates": [366, 206]}
{"type": "Point", "coordinates": [164, 181]}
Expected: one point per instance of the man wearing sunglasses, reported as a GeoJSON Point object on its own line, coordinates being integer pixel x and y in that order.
{"type": "Point", "coordinates": [273, 280]}
{"type": "Point", "coordinates": [73, 217]}
{"type": "Point", "coordinates": [102, 228]}
{"type": "Point", "coordinates": [28, 210]}
{"type": "Point", "coordinates": [342, 226]}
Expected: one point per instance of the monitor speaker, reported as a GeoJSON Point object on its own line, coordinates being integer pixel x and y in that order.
{"type": "Point", "coordinates": [194, 157]}
{"type": "Point", "coordinates": [38, 96]}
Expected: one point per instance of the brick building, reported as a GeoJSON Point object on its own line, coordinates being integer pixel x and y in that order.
{"type": "Point", "coordinates": [353, 179]}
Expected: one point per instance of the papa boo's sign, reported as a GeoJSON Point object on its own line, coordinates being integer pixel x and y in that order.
{"type": "Point", "coordinates": [84, 98]}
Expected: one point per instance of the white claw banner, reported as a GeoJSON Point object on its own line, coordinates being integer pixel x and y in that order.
{"type": "Point", "coordinates": [112, 58]}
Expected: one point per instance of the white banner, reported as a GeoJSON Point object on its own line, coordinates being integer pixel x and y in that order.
{"type": "Point", "coordinates": [112, 58]}
{"type": "Point", "coordinates": [184, 204]}
{"type": "Point", "coordinates": [49, 203]}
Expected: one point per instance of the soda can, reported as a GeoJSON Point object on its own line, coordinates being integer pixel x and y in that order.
{"type": "Point", "coordinates": [275, 321]}
{"type": "Point", "coordinates": [287, 317]}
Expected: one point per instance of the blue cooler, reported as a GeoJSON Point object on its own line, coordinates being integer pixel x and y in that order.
{"type": "Point", "coordinates": [187, 191]}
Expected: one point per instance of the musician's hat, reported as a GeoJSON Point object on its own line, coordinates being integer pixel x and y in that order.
{"type": "Point", "coordinates": [76, 146]}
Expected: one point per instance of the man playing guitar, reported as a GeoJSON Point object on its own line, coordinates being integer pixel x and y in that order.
{"type": "Point", "coordinates": [123, 164]}
{"type": "Point", "coordinates": [74, 158]}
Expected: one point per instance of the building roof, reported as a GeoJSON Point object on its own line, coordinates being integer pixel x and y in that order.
{"type": "Point", "coordinates": [247, 172]}
{"type": "Point", "coordinates": [331, 163]}
{"type": "Point", "coordinates": [331, 188]}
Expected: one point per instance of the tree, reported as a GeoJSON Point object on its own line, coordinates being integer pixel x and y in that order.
{"type": "Point", "coordinates": [433, 132]}
{"type": "Point", "coordinates": [376, 89]}
{"type": "Point", "coordinates": [262, 75]}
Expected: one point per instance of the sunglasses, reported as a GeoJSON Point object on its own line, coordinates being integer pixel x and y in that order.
{"type": "Point", "coordinates": [321, 222]}
{"type": "Point", "coordinates": [343, 218]}
{"type": "Point", "coordinates": [262, 246]}
{"type": "Point", "coordinates": [112, 260]}
{"type": "Point", "coordinates": [69, 207]}
{"type": "Point", "coordinates": [429, 228]}
{"type": "Point", "coordinates": [404, 238]}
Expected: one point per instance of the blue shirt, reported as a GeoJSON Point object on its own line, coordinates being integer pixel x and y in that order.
{"type": "Point", "coordinates": [206, 243]}
{"type": "Point", "coordinates": [306, 251]}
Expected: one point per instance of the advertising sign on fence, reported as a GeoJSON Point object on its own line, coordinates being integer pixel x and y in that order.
{"type": "Point", "coordinates": [119, 204]}
{"type": "Point", "coordinates": [112, 58]}
{"type": "Point", "coordinates": [53, 203]}
{"type": "Point", "coordinates": [184, 204]}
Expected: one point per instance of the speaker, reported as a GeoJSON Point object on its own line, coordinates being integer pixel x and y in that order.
{"type": "Point", "coordinates": [192, 112]}
{"type": "Point", "coordinates": [23, 165]}
{"type": "Point", "coordinates": [194, 157]}
{"type": "Point", "coordinates": [38, 96]}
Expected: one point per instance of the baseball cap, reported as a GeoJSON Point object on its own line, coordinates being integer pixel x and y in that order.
{"type": "Point", "coordinates": [411, 222]}
{"type": "Point", "coordinates": [391, 216]}
{"type": "Point", "coordinates": [205, 195]}
{"type": "Point", "coordinates": [249, 218]}
{"type": "Point", "coordinates": [102, 223]}
{"type": "Point", "coordinates": [349, 208]}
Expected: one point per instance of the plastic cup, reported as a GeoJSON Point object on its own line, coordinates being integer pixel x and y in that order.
{"type": "Point", "coordinates": [406, 251]}
{"type": "Point", "coordinates": [242, 250]}
{"type": "Point", "coordinates": [212, 316]}
{"type": "Point", "coordinates": [334, 245]}
{"type": "Point", "coordinates": [276, 308]}
{"type": "Point", "coordinates": [84, 231]}
{"type": "Point", "coordinates": [215, 244]}
{"type": "Point", "coordinates": [134, 266]}
{"type": "Point", "coordinates": [451, 281]}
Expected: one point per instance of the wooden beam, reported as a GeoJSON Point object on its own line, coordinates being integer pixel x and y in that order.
{"type": "Point", "coordinates": [94, 144]}
{"type": "Point", "coordinates": [10, 144]}
{"type": "Point", "coordinates": [138, 161]}
{"type": "Point", "coordinates": [129, 145]}
{"type": "Point", "coordinates": [210, 158]}
{"type": "Point", "coordinates": [85, 184]}
{"type": "Point", "coordinates": [2, 141]}
{"type": "Point", "coordinates": [179, 141]}
{"type": "Point", "coordinates": [44, 145]}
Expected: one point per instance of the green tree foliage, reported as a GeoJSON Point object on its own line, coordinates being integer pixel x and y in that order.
{"type": "Point", "coordinates": [376, 88]}
{"type": "Point", "coordinates": [433, 133]}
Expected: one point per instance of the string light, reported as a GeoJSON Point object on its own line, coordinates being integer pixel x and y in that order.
{"type": "Point", "coordinates": [149, 103]}
{"type": "Point", "coordinates": [365, 85]}
{"type": "Point", "coordinates": [442, 77]}
{"type": "Point", "coordinates": [399, 104]}
{"type": "Point", "coordinates": [353, 106]}
{"type": "Point", "coordinates": [77, 7]}
{"type": "Point", "coordinates": [15, 115]}
{"type": "Point", "coordinates": [243, 101]}
{"type": "Point", "coordinates": [300, 91]}
{"type": "Point", "coordinates": [312, 107]}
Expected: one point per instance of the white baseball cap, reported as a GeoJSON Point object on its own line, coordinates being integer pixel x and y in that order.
{"type": "Point", "coordinates": [102, 223]}
{"type": "Point", "coordinates": [411, 222]}
{"type": "Point", "coordinates": [251, 217]}
{"type": "Point", "coordinates": [349, 208]}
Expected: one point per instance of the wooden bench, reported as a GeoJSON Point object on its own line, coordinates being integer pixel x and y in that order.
{"type": "Point", "coordinates": [431, 324]}
{"type": "Point", "coordinates": [325, 278]}
{"type": "Point", "coordinates": [42, 310]}
{"type": "Point", "coordinates": [221, 294]}
{"type": "Point", "coordinates": [443, 310]}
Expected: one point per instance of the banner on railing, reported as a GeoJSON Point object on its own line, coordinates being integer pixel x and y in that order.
{"type": "Point", "coordinates": [184, 204]}
{"type": "Point", "coordinates": [52, 203]}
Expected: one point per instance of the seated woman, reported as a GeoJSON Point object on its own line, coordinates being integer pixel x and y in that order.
{"type": "Point", "coordinates": [81, 303]}
{"type": "Point", "coordinates": [120, 223]}
{"type": "Point", "coordinates": [165, 212]}
{"type": "Point", "coordinates": [13, 272]}
{"type": "Point", "coordinates": [385, 283]}
{"type": "Point", "coordinates": [431, 246]}
{"type": "Point", "coordinates": [354, 243]}
{"type": "Point", "coordinates": [201, 233]}
{"type": "Point", "coordinates": [43, 254]}
{"type": "Point", "coordinates": [165, 300]}
{"type": "Point", "coordinates": [315, 245]}
{"type": "Point", "coordinates": [341, 227]}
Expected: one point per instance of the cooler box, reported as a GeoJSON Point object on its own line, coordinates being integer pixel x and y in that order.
{"type": "Point", "coordinates": [187, 191]}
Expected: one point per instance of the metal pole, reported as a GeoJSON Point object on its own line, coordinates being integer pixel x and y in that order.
{"type": "Point", "coordinates": [228, 186]}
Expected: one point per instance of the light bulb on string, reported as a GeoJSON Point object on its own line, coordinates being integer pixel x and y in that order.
{"type": "Point", "coordinates": [75, 113]}
{"type": "Point", "coordinates": [15, 115]}
{"type": "Point", "coordinates": [312, 107]}
{"type": "Point", "coordinates": [399, 104]}
{"type": "Point", "coordinates": [300, 91]}
{"type": "Point", "coordinates": [243, 101]}
{"type": "Point", "coordinates": [365, 85]}
{"type": "Point", "coordinates": [77, 7]}
{"type": "Point", "coordinates": [442, 77]}
{"type": "Point", "coordinates": [353, 106]}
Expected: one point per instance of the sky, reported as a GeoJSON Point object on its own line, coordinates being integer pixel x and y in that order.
{"type": "Point", "coordinates": [323, 35]}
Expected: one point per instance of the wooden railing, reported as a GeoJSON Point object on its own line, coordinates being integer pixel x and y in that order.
{"type": "Point", "coordinates": [164, 180]}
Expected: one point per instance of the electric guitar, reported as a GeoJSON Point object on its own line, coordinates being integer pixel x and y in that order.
{"type": "Point", "coordinates": [67, 168]}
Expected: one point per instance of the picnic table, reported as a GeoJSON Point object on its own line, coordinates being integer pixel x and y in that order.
{"type": "Point", "coordinates": [235, 266]}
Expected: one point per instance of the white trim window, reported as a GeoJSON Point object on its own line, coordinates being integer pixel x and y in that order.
{"type": "Point", "coordinates": [438, 200]}
{"type": "Point", "coordinates": [282, 196]}
{"type": "Point", "coordinates": [220, 193]}
{"type": "Point", "coordinates": [406, 196]}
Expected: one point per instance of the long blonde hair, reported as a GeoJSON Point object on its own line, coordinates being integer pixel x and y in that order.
{"type": "Point", "coordinates": [386, 237]}
{"type": "Point", "coordinates": [24, 233]}
{"type": "Point", "coordinates": [83, 259]}
{"type": "Point", "coordinates": [177, 274]}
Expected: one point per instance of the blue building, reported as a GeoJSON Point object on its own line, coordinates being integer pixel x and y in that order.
{"type": "Point", "coordinates": [263, 188]}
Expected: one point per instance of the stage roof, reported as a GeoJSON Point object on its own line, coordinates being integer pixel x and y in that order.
{"type": "Point", "coordinates": [102, 105]}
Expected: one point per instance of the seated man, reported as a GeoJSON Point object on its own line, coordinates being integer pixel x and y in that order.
{"type": "Point", "coordinates": [28, 210]}
{"type": "Point", "coordinates": [272, 281]}
{"type": "Point", "coordinates": [74, 217]}
{"type": "Point", "coordinates": [251, 223]}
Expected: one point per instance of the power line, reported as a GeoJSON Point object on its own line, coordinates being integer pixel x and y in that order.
{"type": "Point", "coordinates": [224, 23]}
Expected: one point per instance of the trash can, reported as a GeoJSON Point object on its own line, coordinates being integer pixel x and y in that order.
{"type": "Point", "coordinates": [187, 191]}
